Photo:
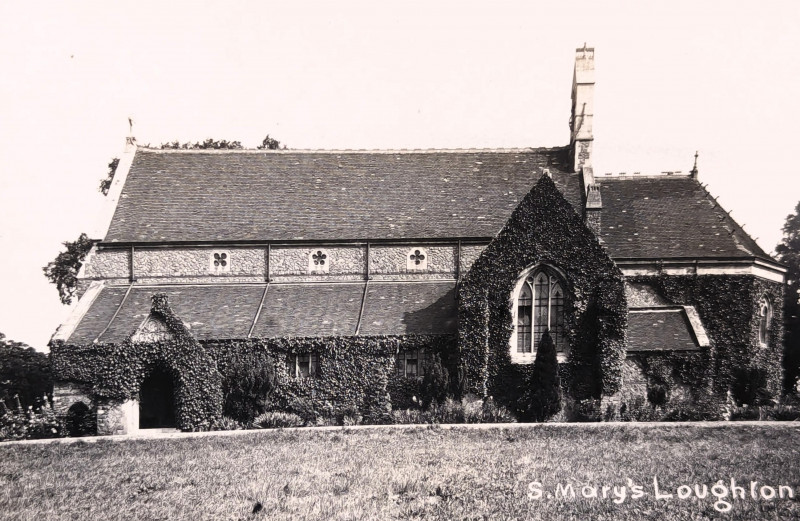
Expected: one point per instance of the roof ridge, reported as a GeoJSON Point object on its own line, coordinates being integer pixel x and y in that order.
{"type": "Point", "coordinates": [349, 150]}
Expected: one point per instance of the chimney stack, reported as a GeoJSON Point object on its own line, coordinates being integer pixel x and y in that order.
{"type": "Point", "coordinates": [580, 121]}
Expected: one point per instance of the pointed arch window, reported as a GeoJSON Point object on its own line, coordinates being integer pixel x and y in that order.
{"type": "Point", "coordinates": [764, 321]}
{"type": "Point", "coordinates": [539, 305]}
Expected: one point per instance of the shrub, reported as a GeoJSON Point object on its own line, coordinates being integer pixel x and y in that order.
{"type": "Point", "coordinates": [435, 382]}
{"type": "Point", "coordinates": [404, 392]}
{"type": "Point", "coordinates": [541, 398]}
{"type": "Point", "coordinates": [749, 387]}
{"type": "Point", "coordinates": [639, 410]}
{"type": "Point", "coordinates": [702, 408]}
{"type": "Point", "coordinates": [582, 411]}
{"type": "Point", "coordinates": [410, 417]}
{"type": "Point", "coordinates": [30, 424]}
{"type": "Point", "coordinates": [248, 387]}
{"type": "Point", "coordinates": [226, 423]}
{"type": "Point", "coordinates": [493, 413]}
{"type": "Point", "coordinates": [277, 420]}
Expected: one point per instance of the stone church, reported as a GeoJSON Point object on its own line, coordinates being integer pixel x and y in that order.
{"type": "Point", "coordinates": [350, 267]}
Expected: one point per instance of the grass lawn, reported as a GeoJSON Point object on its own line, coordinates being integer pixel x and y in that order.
{"type": "Point", "coordinates": [427, 473]}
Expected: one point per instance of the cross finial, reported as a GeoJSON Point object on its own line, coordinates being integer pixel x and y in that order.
{"type": "Point", "coordinates": [130, 126]}
{"type": "Point", "coordinates": [694, 168]}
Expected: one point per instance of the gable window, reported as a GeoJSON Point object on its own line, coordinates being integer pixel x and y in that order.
{"type": "Point", "coordinates": [764, 321]}
{"type": "Point", "coordinates": [219, 261]}
{"type": "Point", "coordinates": [304, 366]}
{"type": "Point", "coordinates": [319, 261]}
{"type": "Point", "coordinates": [538, 306]}
{"type": "Point", "coordinates": [410, 363]}
{"type": "Point", "coordinates": [417, 260]}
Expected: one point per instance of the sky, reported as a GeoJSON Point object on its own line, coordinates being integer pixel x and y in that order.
{"type": "Point", "coordinates": [672, 78]}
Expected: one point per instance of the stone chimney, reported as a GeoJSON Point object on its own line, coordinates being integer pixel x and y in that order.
{"type": "Point", "coordinates": [580, 121]}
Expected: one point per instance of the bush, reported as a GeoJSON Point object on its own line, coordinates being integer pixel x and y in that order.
{"type": "Point", "coordinates": [435, 382]}
{"type": "Point", "coordinates": [30, 424]}
{"type": "Point", "coordinates": [226, 423]}
{"type": "Point", "coordinates": [493, 413]}
{"type": "Point", "coordinates": [583, 411]}
{"type": "Point", "coordinates": [701, 408]}
{"type": "Point", "coordinates": [248, 388]}
{"type": "Point", "coordinates": [749, 387]}
{"type": "Point", "coordinates": [410, 417]}
{"type": "Point", "coordinates": [541, 398]}
{"type": "Point", "coordinates": [277, 420]}
{"type": "Point", "coordinates": [470, 409]}
{"type": "Point", "coordinates": [404, 392]}
{"type": "Point", "coordinates": [639, 410]}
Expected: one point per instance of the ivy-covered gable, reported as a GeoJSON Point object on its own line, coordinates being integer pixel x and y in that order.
{"type": "Point", "coordinates": [116, 371]}
{"type": "Point", "coordinates": [544, 230]}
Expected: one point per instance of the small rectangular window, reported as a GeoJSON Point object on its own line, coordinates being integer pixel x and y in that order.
{"type": "Point", "coordinates": [304, 366]}
{"type": "Point", "coordinates": [411, 364]}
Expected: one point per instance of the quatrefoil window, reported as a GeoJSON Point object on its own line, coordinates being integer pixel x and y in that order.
{"type": "Point", "coordinates": [219, 261]}
{"type": "Point", "coordinates": [417, 260]}
{"type": "Point", "coordinates": [417, 257]}
{"type": "Point", "coordinates": [319, 258]}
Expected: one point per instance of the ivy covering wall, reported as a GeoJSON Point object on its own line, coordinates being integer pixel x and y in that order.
{"type": "Point", "coordinates": [544, 229]}
{"type": "Point", "coordinates": [728, 308]}
{"type": "Point", "coordinates": [356, 374]}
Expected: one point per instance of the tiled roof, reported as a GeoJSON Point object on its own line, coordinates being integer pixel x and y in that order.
{"type": "Point", "coordinates": [259, 195]}
{"type": "Point", "coordinates": [660, 330]}
{"type": "Point", "coordinates": [255, 195]}
{"type": "Point", "coordinates": [668, 217]}
{"type": "Point", "coordinates": [310, 310]}
{"type": "Point", "coordinates": [297, 310]}
{"type": "Point", "coordinates": [421, 308]}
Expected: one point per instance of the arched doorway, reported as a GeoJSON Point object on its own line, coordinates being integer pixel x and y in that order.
{"type": "Point", "coordinates": [157, 401]}
{"type": "Point", "coordinates": [80, 420]}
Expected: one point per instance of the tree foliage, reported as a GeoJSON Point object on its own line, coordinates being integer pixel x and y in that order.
{"type": "Point", "coordinates": [63, 270]}
{"type": "Point", "coordinates": [270, 143]}
{"type": "Point", "coordinates": [542, 396]}
{"type": "Point", "coordinates": [24, 372]}
{"type": "Point", "coordinates": [248, 386]}
{"type": "Point", "coordinates": [435, 382]}
{"type": "Point", "coordinates": [105, 184]}
{"type": "Point", "coordinates": [789, 254]}
{"type": "Point", "coordinates": [208, 144]}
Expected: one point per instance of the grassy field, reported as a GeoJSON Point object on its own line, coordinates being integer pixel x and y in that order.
{"type": "Point", "coordinates": [427, 473]}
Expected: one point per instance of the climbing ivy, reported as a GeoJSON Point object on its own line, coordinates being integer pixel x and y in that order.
{"type": "Point", "coordinates": [544, 229]}
{"type": "Point", "coordinates": [728, 308]}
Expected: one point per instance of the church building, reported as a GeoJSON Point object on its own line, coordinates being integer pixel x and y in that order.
{"type": "Point", "coordinates": [349, 269]}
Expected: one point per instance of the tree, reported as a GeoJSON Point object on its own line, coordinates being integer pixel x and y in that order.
{"type": "Point", "coordinates": [435, 382]}
{"type": "Point", "coordinates": [270, 143]}
{"type": "Point", "coordinates": [63, 270]}
{"type": "Point", "coordinates": [105, 184]}
{"type": "Point", "coordinates": [208, 144]}
{"type": "Point", "coordinates": [24, 372]}
{"type": "Point", "coordinates": [789, 254]}
{"type": "Point", "coordinates": [248, 387]}
{"type": "Point", "coordinates": [542, 396]}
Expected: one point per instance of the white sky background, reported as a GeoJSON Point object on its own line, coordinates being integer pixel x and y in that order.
{"type": "Point", "coordinates": [714, 76]}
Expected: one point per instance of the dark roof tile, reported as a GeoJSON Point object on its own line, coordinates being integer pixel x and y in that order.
{"type": "Point", "coordinates": [660, 331]}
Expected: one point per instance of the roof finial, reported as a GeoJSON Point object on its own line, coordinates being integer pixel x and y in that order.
{"type": "Point", "coordinates": [130, 126]}
{"type": "Point", "coordinates": [694, 171]}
